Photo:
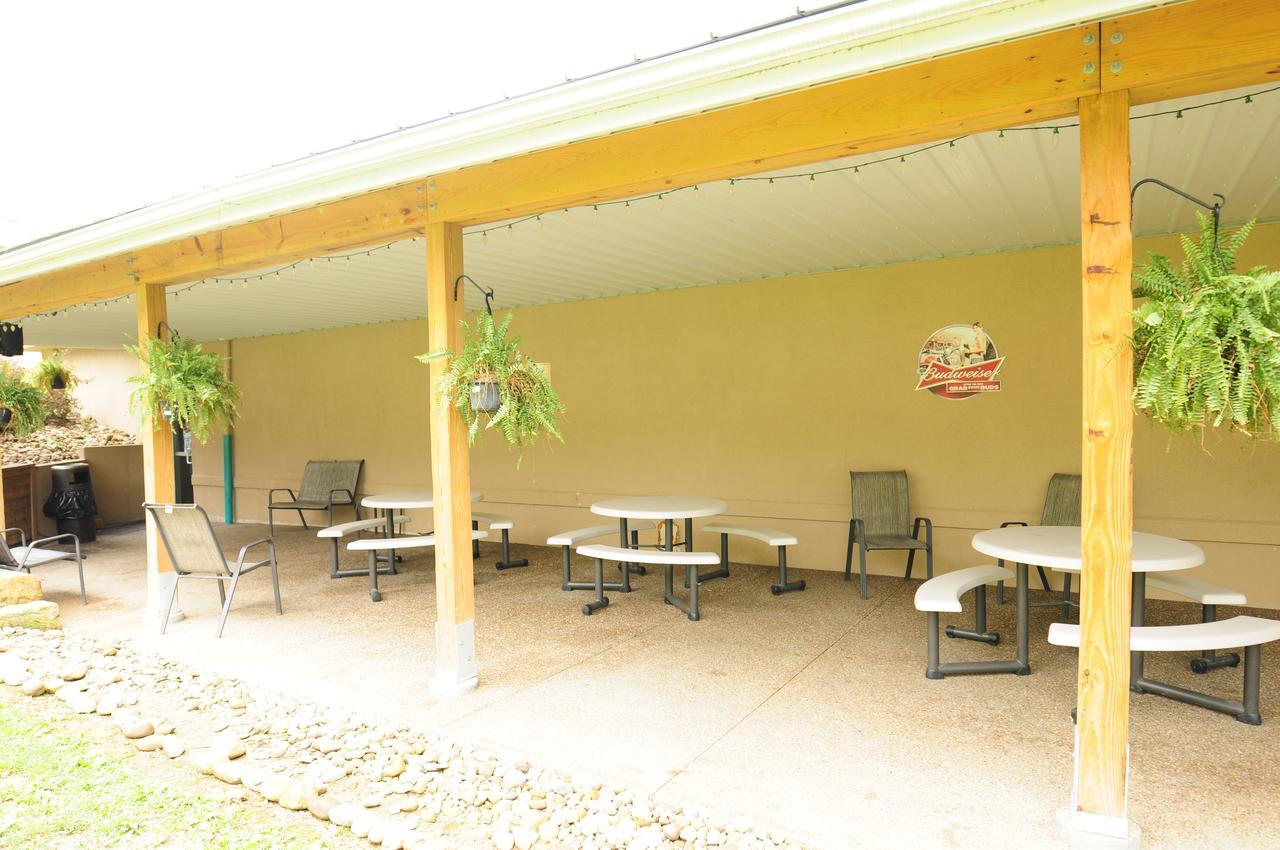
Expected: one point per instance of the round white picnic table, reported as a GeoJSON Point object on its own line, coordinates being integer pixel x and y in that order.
{"type": "Point", "coordinates": [1058, 547]}
{"type": "Point", "coordinates": [658, 508]}
{"type": "Point", "coordinates": [409, 500]}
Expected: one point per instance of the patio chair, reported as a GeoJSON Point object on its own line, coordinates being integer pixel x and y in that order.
{"type": "Point", "coordinates": [325, 483]}
{"type": "Point", "coordinates": [22, 558]}
{"type": "Point", "coordinates": [881, 521]}
{"type": "Point", "coordinates": [194, 551]}
{"type": "Point", "coordinates": [1061, 507]}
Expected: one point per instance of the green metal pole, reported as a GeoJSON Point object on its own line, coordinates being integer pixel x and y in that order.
{"type": "Point", "coordinates": [228, 482]}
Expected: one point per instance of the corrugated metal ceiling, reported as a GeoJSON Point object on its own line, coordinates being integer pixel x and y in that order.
{"type": "Point", "coordinates": [983, 194]}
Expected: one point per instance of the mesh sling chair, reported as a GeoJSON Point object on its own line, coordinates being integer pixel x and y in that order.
{"type": "Point", "coordinates": [193, 548]}
{"type": "Point", "coordinates": [1061, 507]}
{"type": "Point", "coordinates": [881, 520]}
{"type": "Point", "coordinates": [23, 558]}
{"type": "Point", "coordinates": [325, 483]}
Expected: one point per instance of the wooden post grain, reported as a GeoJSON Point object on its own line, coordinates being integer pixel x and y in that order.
{"type": "Point", "coordinates": [1101, 769]}
{"type": "Point", "coordinates": [157, 459]}
{"type": "Point", "coordinates": [450, 476]}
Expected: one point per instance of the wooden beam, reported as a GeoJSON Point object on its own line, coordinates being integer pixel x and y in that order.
{"type": "Point", "coordinates": [157, 460]}
{"type": "Point", "coordinates": [456, 669]}
{"type": "Point", "coordinates": [350, 224]}
{"type": "Point", "coordinates": [1192, 48]}
{"type": "Point", "coordinates": [1102, 716]}
{"type": "Point", "coordinates": [1033, 79]}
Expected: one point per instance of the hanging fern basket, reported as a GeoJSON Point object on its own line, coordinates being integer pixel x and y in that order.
{"type": "Point", "coordinates": [1207, 339]}
{"type": "Point", "coordinates": [6, 416]}
{"type": "Point", "coordinates": [494, 385]}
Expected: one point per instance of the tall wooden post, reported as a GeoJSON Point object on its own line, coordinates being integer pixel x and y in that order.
{"type": "Point", "coordinates": [450, 476]}
{"type": "Point", "coordinates": [157, 462]}
{"type": "Point", "coordinates": [1102, 717]}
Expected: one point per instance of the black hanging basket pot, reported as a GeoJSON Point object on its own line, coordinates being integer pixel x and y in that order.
{"type": "Point", "coordinates": [484, 396]}
{"type": "Point", "coordinates": [58, 383]}
{"type": "Point", "coordinates": [10, 339]}
{"type": "Point", "coordinates": [6, 416]}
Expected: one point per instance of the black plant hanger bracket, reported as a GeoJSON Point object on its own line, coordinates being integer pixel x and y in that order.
{"type": "Point", "coordinates": [488, 293]}
{"type": "Point", "coordinates": [1215, 208]}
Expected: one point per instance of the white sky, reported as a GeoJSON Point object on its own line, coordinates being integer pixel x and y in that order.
{"type": "Point", "coordinates": [108, 106]}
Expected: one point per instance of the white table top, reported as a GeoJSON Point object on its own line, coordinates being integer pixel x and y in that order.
{"type": "Point", "coordinates": [407, 500]}
{"type": "Point", "coordinates": [1058, 547]}
{"type": "Point", "coordinates": [660, 507]}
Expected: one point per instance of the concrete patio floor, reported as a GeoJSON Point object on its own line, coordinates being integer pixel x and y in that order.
{"type": "Point", "coordinates": [808, 713]}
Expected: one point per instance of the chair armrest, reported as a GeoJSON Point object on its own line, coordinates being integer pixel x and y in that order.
{"type": "Point", "coordinates": [859, 531]}
{"type": "Point", "coordinates": [928, 530]}
{"type": "Point", "coordinates": [271, 546]}
{"type": "Point", "coordinates": [1012, 522]}
{"type": "Point", "coordinates": [271, 494]}
{"type": "Point", "coordinates": [351, 497]}
{"type": "Point", "coordinates": [35, 543]}
{"type": "Point", "coordinates": [22, 535]}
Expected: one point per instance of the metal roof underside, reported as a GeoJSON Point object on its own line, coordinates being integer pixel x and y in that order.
{"type": "Point", "coordinates": [985, 194]}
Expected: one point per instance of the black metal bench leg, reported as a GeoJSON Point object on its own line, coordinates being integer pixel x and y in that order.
{"type": "Point", "coordinates": [932, 671]}
{"type": "Point", "coordinates": [333, 558]}
{"type": "Point", "coordinates": [1066, 595]}
{"type": "Point", "coordinates": [1252, 713]}
{"type": "Point", "coordinates": [567, 577]}
{"type": "Point", "coordinates": [691, 574]}
{"type": "Point", "coordinates": [374, 593]}
{"type": "Point", "coordinates": [1209, 659]}
{"type": "Point", "coordinates": [862, 569]}
{"type": "Point", "coordinates": [784, 586]}
{"type": "Point", "coordinates": [475, 544]}
{"type": "Point", "coordinates": [601, 600]}
{"type": "Point", "coordinates": [506, 563]}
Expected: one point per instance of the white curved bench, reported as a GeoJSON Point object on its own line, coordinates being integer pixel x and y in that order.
{"type": "Point", "coordinates": [942, 593]}
{"type": "Point", "coordinates": [1209, 596]}
{"type": "Point", "coordinates": [503, 524]}
{"type": "Point", "coordinates": [566, 540]}
{"type": "Point", "coordinates": [658, 557]}
{"type": "Point", "coordinates": [374, 545]}
{"type": "Point", "coordinates": [335, 532]}
{"type": "Point", "coordinates": [1248, 632]}
{"type": "Point", "coordinates": [768, 536]}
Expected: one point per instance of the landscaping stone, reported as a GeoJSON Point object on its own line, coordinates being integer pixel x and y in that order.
{"type": "Point", "coordinates": [401, 788]}
{"type": "Point", "coordinates": [19, 588]}
{"type": "Point", "coordinates": [33, 687]}
{"type": "Point", "coordinates": [31, 615]}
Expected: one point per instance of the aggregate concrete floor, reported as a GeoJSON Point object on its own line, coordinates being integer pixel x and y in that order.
{"type": "Point", "coordinates": [807, 712]}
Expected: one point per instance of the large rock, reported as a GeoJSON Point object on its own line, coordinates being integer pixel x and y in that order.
{"type": "Point", "coordinates": [17, 588]}
{"type": "Point", "coordinates": [31, 615]}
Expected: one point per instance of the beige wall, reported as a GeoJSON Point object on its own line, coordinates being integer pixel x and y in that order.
{"type": "Point", "coordinates": [765, 393]}
{"type": "Point", "coordinates": [103, 392]}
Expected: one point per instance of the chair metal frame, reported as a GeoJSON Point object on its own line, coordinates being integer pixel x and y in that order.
{"type": "Point", "coordinates": [858, 534]}
{"type": "Point", "coordinates": [328, 502]}
{"type": "Point", "coordinates": [232, 573]}
{"type": "Point", "coordinates": [20, 564]}
{"type": "Point", "coordinates": [1057, 481]}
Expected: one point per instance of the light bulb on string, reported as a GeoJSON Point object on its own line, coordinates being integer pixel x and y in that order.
{"type": "Point", "coordinates": [732, 183]}
{"type": "Point", "coordinates": [1000, 136]}
{"type": "Point", "coordinates": [857, 174]}
{"type": "Point", "coordinates": [697, 193]}
{"type": "Point", "coordinates": [813, 181]}
{"type": "Point", "coordinates": [772, 186]}
{"type": "Point", "coordinates": [902, 162]}
{"type": "Point", "coordinates": [954, 150]}
{"type": "Point", "coordinates": [1056, 136]}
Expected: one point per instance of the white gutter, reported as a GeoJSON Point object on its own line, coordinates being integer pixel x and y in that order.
{"type": "Point", "coordinates": [837, 44]}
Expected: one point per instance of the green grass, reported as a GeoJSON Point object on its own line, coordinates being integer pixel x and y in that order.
{"type": "Point", "coordinates": [58, 789]}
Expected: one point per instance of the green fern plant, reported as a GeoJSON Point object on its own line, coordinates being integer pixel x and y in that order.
{"type": "Point", "coordinates": [182, 382]}
{"type": "Point", "coordinates": [528, 406]}
{"type": "Point", "coordinates": [24, 402]}
{"type": "Point", "coordinates": [1207, 340]}
{"type": "Point", "coordinates": [53, 373]}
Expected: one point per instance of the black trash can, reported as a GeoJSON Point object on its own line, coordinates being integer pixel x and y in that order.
{"type": "Point", "coordinates": [71, 501]}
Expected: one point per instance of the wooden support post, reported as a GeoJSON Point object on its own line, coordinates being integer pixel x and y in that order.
{"type": "Point", "coordinates": [450, 476]}
{"type": "Point", "coordinates": [157, 463]}
{"type": "Point", "coordinates": [1102, 717]}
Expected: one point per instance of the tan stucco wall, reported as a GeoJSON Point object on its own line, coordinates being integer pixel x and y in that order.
{"type": "Point", "coordinates": [765, 394]}
{"type": "Point", "coordinates": [103, 392]}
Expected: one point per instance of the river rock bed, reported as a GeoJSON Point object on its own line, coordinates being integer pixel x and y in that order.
{"type": "Point", "coordinates": [399, 788]}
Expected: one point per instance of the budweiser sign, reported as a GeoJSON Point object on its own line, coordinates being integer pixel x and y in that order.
{"type": "Point", "coordinates": [959, 361]}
